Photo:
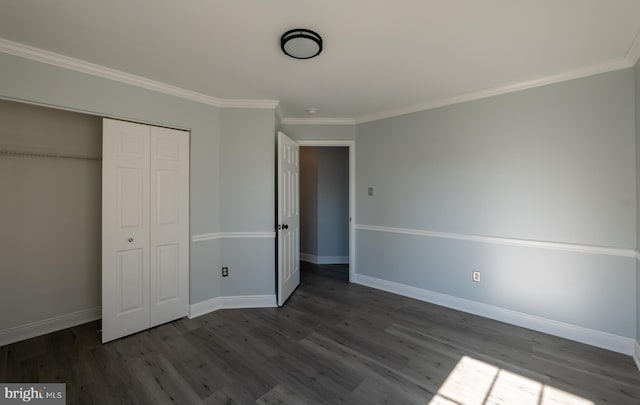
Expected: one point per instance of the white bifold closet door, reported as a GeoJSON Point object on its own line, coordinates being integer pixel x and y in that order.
{"type": "Point", "coordinates": [145, 227]}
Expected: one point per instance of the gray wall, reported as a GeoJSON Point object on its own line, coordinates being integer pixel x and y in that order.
{"type": "Point", "coordinates": [333, 201]}
{"type": "Point", "coordinates": [247, 187]}
{"type": "Point", "coordinates": [554, 163]}
{"type": "Point", "coordinates": [319, 132]}
{"type": "Point", "coordinates": [50, 213]}
{"type": "Point", "coordinates": [309, 200]}
{"type": "Point", "coordinates": [23, 79]}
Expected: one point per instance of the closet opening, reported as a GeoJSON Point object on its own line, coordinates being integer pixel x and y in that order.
{"type": "Point", "coordinates": [53, 228]}
{"type": "Point", "coordinates": [50, 211]}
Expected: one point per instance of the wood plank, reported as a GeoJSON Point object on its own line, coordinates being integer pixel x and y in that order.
{"type": "Point", "coordinates": [161, 382]}
{"type": "Point", "coordinates": [282, 394]}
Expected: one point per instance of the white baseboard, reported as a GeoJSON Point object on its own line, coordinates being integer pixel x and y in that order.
{"type": "Point", "coordinates": [233, 302]}
{"type": "Point", "coordinates": [33, 329]}
{"type": "Point", "coordinates": [636, 355]}
{"type": "Point", "coordinates": [306, 257]}
{"type": "Point", "coordinates": [581, 334]}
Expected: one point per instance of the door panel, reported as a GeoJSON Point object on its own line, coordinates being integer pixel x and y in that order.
{"type": "Point", "coordinates": [169, 224]}
{"type": "Point", "coordinates": [288, 217]}
{"type": "Point", "coordinates": [130, 196]}
{"type": "Point", "coordinates": [131, 281]}
{"type": "Point", "coordinates": [168, 186]}
{"type": "Point", "coordinates": [125, 224]}
{"type": "Point", "coordinates": [168, 273]}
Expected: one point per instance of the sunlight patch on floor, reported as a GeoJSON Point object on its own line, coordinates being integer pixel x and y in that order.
{"type": "Point", "coordinates": [474, 382]}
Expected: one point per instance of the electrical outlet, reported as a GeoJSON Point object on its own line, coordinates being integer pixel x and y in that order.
{"type": "Point", "coordinates": [225, 272]}
{"type": "Point", "coordinates": [475, 276]}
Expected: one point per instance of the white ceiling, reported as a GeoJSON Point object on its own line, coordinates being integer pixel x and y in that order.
{"type": "Point", "coordinates": [380, 57]}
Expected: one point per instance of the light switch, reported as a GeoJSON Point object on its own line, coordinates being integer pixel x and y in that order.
{"type": "Point", "coordinates": [370, 191]}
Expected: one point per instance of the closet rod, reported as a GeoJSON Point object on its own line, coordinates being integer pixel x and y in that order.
{"type": "Point", "coordinates": [47, 155]}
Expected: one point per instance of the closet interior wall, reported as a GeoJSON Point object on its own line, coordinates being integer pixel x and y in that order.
{"type": "Point", "coordinates": [50, 215]}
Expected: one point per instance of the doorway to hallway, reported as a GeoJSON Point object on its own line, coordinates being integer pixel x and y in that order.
{"type": "Point", "coordinates": [324, 205]}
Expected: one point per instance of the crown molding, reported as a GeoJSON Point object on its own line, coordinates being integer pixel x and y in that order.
{"type": "Point", "coordinates": [55, 59]}
{"type": "Point", "coordinates": [633, 54]}
{"type": "Point", "coordinates": [616, 64]}
{"type": "Point", "coordinates": [318, 121]}
{"type": "Point", "coordinates": [266, 104]}
{"type": "Point", "coordinates": [51, 58]}
{"type": "Point", "coordinates": [324, 143]}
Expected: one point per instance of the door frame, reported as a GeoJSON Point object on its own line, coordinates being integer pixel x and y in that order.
{"type": "Point", "coordinates": [352, 194]}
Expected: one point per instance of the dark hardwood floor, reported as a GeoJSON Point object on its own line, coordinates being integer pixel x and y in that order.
{"type": "Point", "coordinates": [332, 343]}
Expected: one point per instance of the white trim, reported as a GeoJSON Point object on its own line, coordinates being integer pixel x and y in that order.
{"type": "Point", "coordinates": [332, 259]}
{"type": "Point", "coordinates": [637, 254]}
{"type": "Point", "coordinates": [205, 236]}
{"type": "Point", "coordinates": [247, 235]}
{"type": "Point", "coordinates": [636, 355]}
{"type": "Point", "coordinates": [345, 144]}
{"type": "Point", "coordinates": [232, 235]}
{"type": "Point", "coordinates": [352, 195]}
{"type": "Point", "coordinates": [38, 328]}
{"type": "Point", "coordinates": [612, 65]}
{"type": "Point", "coordinates": [55, 59]}
{"type": "Point", "coordinates": [232, 302]}
{"type": "Point", "coordinates": [352, 212]}
{"type": "Point", "coordinates": [306, 257]}
{"type": "Point", "coordinates": [309, 258]}
{"type": "Point", "coordinates": [267, 104]}
{"type": "Point", "coordinates": [633, 54]}
{"type": "Point", "coordinates": [577, 333]}
{"type": "Point", "coordinates": [569, 247]}
{"type": "Point", "coordinates": [318, 121]}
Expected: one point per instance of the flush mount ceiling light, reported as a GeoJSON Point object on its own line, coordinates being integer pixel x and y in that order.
{"type": "Point", "coordinates": [301, 43]}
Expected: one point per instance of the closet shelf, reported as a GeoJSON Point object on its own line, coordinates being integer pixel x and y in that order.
{"type": "Point", "coordinates": [5, 152]}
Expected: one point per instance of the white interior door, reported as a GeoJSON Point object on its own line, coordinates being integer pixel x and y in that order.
{"type": "Point", "coordinates": [288, 217]}
{"type": "Point", "coordinates": [169, 244]}
{"type": "Point", "coordinates": [125, 229]}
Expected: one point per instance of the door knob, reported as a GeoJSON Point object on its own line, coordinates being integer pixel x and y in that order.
{"type": "Point", "coordinates": [285, 226]}
{"type": "Point", "coordinates": [130, 240]}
